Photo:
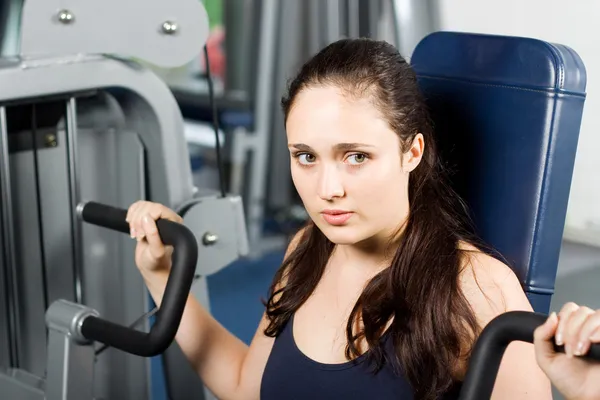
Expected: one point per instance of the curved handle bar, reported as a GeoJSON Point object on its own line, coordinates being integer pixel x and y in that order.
{"type": "Point", "coordinates": [180, 280]}
{"type": "Point", "coordinates": [490, 347]}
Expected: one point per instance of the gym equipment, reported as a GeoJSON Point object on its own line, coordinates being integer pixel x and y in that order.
{"type": "Point", "coordinates": [78, 126]}
{"type": "Point", "coordinates": [74, 327]}
{"type": "Point", "coordinates": [490, 347]}
{"type": "Point", "coordinates": [507, 114]}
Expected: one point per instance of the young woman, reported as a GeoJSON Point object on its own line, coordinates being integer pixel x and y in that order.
{"type": "Point", "coordinates": [383, 293]}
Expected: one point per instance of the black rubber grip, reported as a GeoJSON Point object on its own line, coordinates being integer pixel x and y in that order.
{"type": "Point", "coordinates": [162, 333]}
{"type": "Point", "coordinates": [491, 345]}
{"type": "Point", "coordinates": [104, 216]}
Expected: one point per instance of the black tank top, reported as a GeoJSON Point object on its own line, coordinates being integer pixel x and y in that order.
{"type": "Point", "coordinates": [291, 375]}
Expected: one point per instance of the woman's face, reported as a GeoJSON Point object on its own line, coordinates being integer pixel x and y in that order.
{"type": "Point", "coordinates": [347, 165]}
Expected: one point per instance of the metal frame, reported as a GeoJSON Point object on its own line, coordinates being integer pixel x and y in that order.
{"type": "Point", "coordinates": [8, 235]}
{"type": "Point", "coordinates": [70, 360]}
{"type": "Point", "coordinates": [75, 196]}
{"type": "Point", "coordinates": [147, 108]}
{"type": "Point", "coordinates": [70, 372]}
{"type": "Point", "coordinates": [144, 105]}
{"type": "Point", "coordinates": [10, 14]}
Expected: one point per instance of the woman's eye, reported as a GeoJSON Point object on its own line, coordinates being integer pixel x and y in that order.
{"type": "Point", "coordinates": [358, 158]}
{"type": "Point", "coordinates": [306, 158]}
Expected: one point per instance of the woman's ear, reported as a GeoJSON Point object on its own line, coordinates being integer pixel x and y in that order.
{"type": "Point", "coordinates": [412, 158]}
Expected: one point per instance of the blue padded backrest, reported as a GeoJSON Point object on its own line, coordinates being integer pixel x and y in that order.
{"type": "Point", "coordinates": [507, 113]}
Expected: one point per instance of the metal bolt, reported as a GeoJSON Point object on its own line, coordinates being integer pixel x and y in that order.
{"type": "Point", "coordinates": [169, 27]}
{"type": "Point", "coordinates": [209, 239]}
{"type": "Point", "coordinates": [65, 16]}
{"type": "Point", "coordinates": [50, 140]}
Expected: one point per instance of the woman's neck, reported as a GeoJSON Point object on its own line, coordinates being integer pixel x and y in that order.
{"type": "Point", "coordinates": [371, 255]}
{"type": "Point", "coordinates": [367, 258]}
{"type": "Point", "coordinates": [376, 250]}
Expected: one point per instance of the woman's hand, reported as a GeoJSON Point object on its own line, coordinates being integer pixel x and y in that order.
{"type": "Point", "coordinates": [151, 254]}
{"type": "Point", "coordinates": [576, 328]}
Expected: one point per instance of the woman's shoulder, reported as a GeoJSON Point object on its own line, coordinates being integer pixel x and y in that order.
{"type": "Point", "coordinates": [490, 286]}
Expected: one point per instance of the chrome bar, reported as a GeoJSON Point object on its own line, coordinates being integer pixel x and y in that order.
{"type": "Point", "coordinates": [9, 241]}
{"type": "Point", "coordinates": [75, 194]}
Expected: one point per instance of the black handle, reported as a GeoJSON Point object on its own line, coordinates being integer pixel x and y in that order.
{"type": "Point", "coordinates": [162, 333]}
{"type": "Point", "coordinates": [490, 347]}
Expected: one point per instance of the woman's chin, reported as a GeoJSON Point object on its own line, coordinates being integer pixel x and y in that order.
{"type": "Point", "coordinates": [341, 235]}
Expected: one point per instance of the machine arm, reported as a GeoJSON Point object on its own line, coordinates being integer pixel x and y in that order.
{"type": "Point", "coordinates": [87, 326]}
{"type": "Point", "coordinates": [490, 347]}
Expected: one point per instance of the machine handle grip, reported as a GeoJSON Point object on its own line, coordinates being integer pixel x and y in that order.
{"type": "Point", "coordinates": [181, 276]}
{"type": "Point", "coordinates": [490, 347]}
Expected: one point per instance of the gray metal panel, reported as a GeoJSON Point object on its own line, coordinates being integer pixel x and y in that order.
{"type": "Point", "coordinates": [132, 169]}
{"type": "Point", "coordinates": [109, 27]}
{"type": "Point", "coordinates": [56, 220]}
{"type": "Point", "coordinates": [222, 217]}
{"type": "Point", "coordinates": [111, 172]}
{"type": "Point", "coordinates": [31, 289]}
{"type": "Point", "coordinates": [70, 369]}
{"type": "Point", "coordinates": [146, 100]}
{"type": "Point", "coordinates": [15, 389]}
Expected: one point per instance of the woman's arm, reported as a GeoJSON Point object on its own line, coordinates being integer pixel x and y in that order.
{"type": "Point", "coordinates": [227, 366]}
{"type": "Point", "coordinates": [224, 363]}
{"type": "Point", "coordinates": [492, 288]}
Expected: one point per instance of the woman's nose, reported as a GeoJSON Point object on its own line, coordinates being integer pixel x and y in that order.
{"type": "Point", "coordinates": [330, 184]}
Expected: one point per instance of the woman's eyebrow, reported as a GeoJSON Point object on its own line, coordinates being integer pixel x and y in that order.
{"type": "Point", "coordinates": [339, 146]}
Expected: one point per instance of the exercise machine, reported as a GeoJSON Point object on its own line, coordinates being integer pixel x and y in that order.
{"type": "Point", "coordinates": [83, 119]}
{"type": "Point", "coordinates": [73, 327]}
{"type": "Point", "coordinates": [491, 345]}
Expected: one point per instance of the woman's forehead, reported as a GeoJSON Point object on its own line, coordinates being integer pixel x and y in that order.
{"type": "Point", "coordinates": [326, 114]}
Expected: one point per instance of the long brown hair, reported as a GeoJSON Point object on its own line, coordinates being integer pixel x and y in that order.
{"type": "Point", "coordinates": [419, 292]}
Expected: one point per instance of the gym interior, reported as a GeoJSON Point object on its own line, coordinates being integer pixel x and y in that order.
{"type": "Point", "coordinates": [106, 103]}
